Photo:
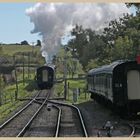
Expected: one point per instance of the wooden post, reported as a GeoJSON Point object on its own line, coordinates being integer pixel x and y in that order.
{"type": "Point", "coordinates": [65, 74]}
{"type": "Point", "coordinates": [68, 89]}
{"type": "Point", "coordinates": [0, 90]}
{"type": "Point", "coordinates": [23, 71]}
{"type": "Point", "coordinates": [28, 65]}
{"type": "Point", "coordinates": [16, 92]}
{"type": "Point", "coordinates": [85, 93]}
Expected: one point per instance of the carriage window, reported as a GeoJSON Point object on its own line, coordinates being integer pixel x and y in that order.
{"type": "Point", "coordinates": [44, 75]}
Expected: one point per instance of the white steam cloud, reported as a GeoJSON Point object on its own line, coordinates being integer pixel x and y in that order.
{"type": "Point", "coordinates": [52, 21]}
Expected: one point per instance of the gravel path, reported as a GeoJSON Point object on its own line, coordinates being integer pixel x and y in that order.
{"type": "Point", "coordinates": [96, 116]}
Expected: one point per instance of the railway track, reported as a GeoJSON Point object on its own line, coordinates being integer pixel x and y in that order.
{"type": "Point", "coordinates": [43, 117]}
{"type": "Point", "coordinates": [135, 129]}
{"type": "Point", "coordinates": [45, 124]}
{"type": "Point", "coordinates": [17, 124]}
{"type": "Point", "coordinates": [58, 120]}
{"type": "Point", "coordinates": [70, 121]}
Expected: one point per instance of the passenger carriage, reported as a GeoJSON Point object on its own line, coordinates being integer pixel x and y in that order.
{"type": "Point", "coordinates": [116, 85]}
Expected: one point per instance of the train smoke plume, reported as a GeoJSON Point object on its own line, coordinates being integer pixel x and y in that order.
{"type": "Point", "coordinates": [52, 21]}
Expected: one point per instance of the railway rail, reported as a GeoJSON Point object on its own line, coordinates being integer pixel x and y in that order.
{"type": "Point", "coordinates": [46, 124]}
{"type": "Point", "coordinates": [17, 122]}
{"type": "Point", "coordinates": [60, 127]}
{"type": "Point", "coordinates": [58, 120]}
{"type": "Point", "coordinates": [52, 118]}
{"type": "Point", "coordinates": [135, 129]}
{"type": "Point", "coordinates": [22, 132]}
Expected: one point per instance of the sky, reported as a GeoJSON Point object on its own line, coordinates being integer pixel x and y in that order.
{"type": "Point", "coordinates": [15, 25]}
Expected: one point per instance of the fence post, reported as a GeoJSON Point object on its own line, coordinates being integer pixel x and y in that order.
{"type": "Point", "coordinates": [0, 90]}
{"type": "Point", "coordinates": [28, 65]}
{"type": "Point", "coordinates": [85, 93]}
{"type": "Point", "coordinates": [23, 71]}
{"type": "Point", "coordinates": [68, 89]}
{"type": "Point", "coordinates": [75, 94]}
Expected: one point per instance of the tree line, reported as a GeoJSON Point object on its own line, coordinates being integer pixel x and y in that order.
{"type": "Point", "coordinates": [24, 42]}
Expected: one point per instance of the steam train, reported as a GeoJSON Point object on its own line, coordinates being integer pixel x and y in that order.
{"type": "Point", "coordinates": [45, 77]}
{"type": "Point", "coordinates": [117, 85]}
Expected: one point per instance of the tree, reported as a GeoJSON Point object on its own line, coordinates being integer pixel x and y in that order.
{"type": "Point", "coordinates": [38, 43]}
{"type": "Point", "coordinates": [123, 48]}
{"type": "Point", "coordinates": [93, 63]}
{"type": "Point", "coordinates": [24, 42]}
{"type": "Point", "coordinates": [119, 40]}
{"type": "Point", "coordinates": [1, 50]}
{"type": "Point", "coordinates": [87, 43]}
{"type": "Point", "coordinates": [136, 5]}
{"type": "Point", "coordinates": [126, 29]}
{"type": "Point", "coordinates": [73, 65]}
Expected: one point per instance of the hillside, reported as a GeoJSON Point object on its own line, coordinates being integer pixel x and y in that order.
{"type": "Point", "coordinates": [12, 49]}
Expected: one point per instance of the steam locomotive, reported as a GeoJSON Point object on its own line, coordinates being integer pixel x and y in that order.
{"type": "Point", "coordinates": [117, 85]}
{"type": "Point", "coordinates": [45, 77]}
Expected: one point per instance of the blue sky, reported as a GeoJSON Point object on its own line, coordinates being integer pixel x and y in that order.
{"type": "Point", "coordinates": [15, 25]}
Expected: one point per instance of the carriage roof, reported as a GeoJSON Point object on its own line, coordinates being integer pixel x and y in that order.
{"type": "Point", "coordinates": [107, 68]}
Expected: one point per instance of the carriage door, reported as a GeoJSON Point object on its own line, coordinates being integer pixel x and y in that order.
{"type": "Point", "coordinates": [44, 75]}
{"type": "Point", "coordinates": [133, 84]}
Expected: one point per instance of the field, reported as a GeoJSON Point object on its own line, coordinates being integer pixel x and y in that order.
{"type": "Point", "coordinates": [11, 49]}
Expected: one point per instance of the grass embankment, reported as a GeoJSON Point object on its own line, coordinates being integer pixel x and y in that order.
{"type": "Point", "coordinates": [7, 92]}
{"type": "Point", "coordinates": [9, 103]}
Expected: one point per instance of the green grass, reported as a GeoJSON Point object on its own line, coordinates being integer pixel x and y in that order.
{"type": "Point", "coordinates": [31, 75]}
{"type": "Point", "coordinates": [11, 49]}
{"type": "Point", "coordinates": [83, 96]}
{"type": "Point", "coordinates": [59, 90]}
{"type": "Point", "coordinates": [9, 105]}
{"type": "Point", "coordinates": [77, 83]}
{"type": "Point", "coordinates": [7, 92]}
{"type": "Point", "coordinates": [24, 92]}
{"type": "Point", "coordinates": [8, 108]}
{"type": "Point", "coordinates": [73, 84]}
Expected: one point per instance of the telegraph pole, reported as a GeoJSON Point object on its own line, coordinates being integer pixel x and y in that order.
{"type": "Point", "coordinates": [0, 90]}
{"type": "Point", "coordinates": [64, 43]}
{"type": "Point", "coordinates": [28, 65]}
{"type": "Point", "coordinates": [65, 74]}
